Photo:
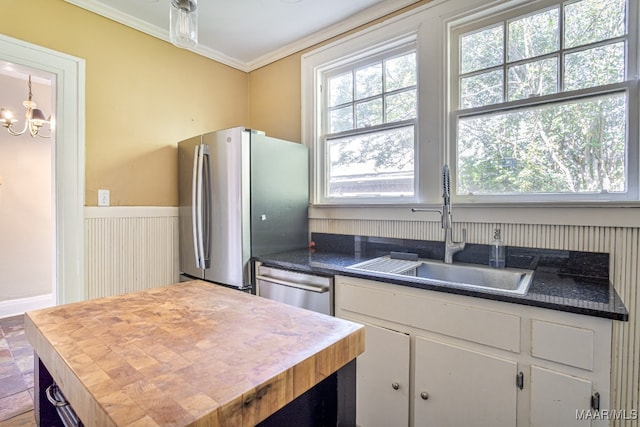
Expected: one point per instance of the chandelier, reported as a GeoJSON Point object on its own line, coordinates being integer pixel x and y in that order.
{"type": "Point", "coordinates": [183, 23]}
{"type": "Point", "coordinates": [34, 119]}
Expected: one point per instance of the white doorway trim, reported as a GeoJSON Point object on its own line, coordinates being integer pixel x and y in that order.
{"type": "Point", "coordinates": [69, 159]}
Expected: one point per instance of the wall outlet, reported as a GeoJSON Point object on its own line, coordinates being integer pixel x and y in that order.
{"type": "Point", "coordinates": [103, 197]}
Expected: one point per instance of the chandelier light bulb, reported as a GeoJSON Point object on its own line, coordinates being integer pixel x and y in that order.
{"type": "Point", "coordinates": [6, 117]}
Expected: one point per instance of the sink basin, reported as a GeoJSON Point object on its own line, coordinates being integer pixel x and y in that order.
{"type": "Point", "coordinates": [512, 281]}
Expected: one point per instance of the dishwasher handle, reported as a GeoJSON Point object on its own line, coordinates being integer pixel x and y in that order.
{"type": "Point", "coordinates": [305, 286]}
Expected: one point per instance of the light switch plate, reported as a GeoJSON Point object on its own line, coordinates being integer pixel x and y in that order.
{"type": "Point", "coordinates": [103, 198]}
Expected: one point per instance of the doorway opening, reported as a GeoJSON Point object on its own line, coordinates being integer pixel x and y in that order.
{"type": "Point", "coordinates": [67, 76]}
{"type": "Point", "coordinates": [27, 193]}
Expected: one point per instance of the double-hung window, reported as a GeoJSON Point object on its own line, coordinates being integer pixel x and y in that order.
{"type": "Point", "coordinates": [367, 127]}
{"type": "Point", "coordinates": [544, 103]}
{"type": "Point", "coordinates": [526, 101]}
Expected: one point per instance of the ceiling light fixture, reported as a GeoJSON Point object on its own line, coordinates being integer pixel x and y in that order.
{"type": "Point", "coordinates": [34, 119]}
{"type": "Point", "coordinates": [183, 23]}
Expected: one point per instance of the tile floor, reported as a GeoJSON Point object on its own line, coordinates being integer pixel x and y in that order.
{"type": "Point", "coordinates": [16, 374]}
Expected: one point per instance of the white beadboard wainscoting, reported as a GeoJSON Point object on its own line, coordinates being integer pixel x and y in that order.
{"type": "Point", "coordinates": [129, 249]}
{"type": "Point", "coordinates": [620, 242]}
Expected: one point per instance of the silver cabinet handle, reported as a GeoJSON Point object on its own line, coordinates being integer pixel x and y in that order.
{"type": "Point", "coordinates": [305, 286]}
{"type": "Point", "coordinates": [50, 392]}
{"type": "Point", "coordinates": [424, 395]}
{"type": "Point", "coordinates": [395, 386]}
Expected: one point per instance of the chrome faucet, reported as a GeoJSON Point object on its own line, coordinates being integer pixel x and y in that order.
{"type": "Point", "coordinates": [451, 247]}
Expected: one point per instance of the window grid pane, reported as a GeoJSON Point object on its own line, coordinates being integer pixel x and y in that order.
{"type": "Point", "coordinates": [369, 113]}
{"type": "Point", "coordinates": [575, 147]}
{"type": "Point", "coordinates": [595, 67]}
{"type": "Point", "coordinates": [401, 106]}
{"type": "Point", "coordinates": [572, 145]}
{"type": "Point", "coordinates": [341, 119]}
{"type": "Point", "coordinates": [533, 79]}
{"type": "Point", "coordinates": [369, 81]}
{"type": "Point", "coordinates": [481, 50]}
{"type": "Point", "coordinates": [535, 36]}
{"type": "Point", "coordinates": [370, 132]}
{"type": "Point", "coordinates": [591, 21]}
{"type": "Point", "coordinates": [377, 164]}
{"type": "Point", "coordinates": [481, 89]}
{"type": "Point", "coordinates": [340, 89]}
{"type": "Point", "coordinates": [369, 95]}
{"type": "Point", "coordinates": [400, 72]}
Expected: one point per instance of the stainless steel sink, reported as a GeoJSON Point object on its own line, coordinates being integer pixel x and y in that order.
{"type": "Point", "coordinates": [513, 281]}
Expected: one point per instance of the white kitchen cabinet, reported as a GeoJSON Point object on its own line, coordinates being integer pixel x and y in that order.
{"type": "Point", "coordinates": [477, 362]}
{"type": "Point", "coordinates": [456, 386]}
{"type": "Point", "coordinates": [382, 379]}
{"type": "Point", "coordinates": [570, 365]}
{"type": "Point", "coordinates": [555, 398]}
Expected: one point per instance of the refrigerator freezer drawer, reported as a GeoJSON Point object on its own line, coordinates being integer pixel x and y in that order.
{"type": "Point", "coordinates": [298, 289]}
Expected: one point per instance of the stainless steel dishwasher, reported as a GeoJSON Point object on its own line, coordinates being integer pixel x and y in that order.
{"type": "Point", "coordinates": [299, 289]}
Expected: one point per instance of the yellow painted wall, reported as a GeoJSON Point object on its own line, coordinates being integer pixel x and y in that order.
{"type": "Point", "coordinates": [143, 95]}
{"type": "Point", "coordinates": [275, 92]}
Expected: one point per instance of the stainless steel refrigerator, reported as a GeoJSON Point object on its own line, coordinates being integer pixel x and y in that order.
{"type": "Point", "coordinates": [241, 194]}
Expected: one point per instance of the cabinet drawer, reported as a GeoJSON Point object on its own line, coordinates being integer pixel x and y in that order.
{"type": "Point", "coordinates": [463, 321]}
{"type": "Point", "coordinates": [564, 344]}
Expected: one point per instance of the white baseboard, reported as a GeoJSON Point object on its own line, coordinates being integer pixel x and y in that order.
{"type": "Point", "coordinates": [17, 307]}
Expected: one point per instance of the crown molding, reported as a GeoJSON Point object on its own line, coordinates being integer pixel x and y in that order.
{"type": "Point", "coordinates": [152, 30]}
{"type": "Point", "coordinates": [362, 18]}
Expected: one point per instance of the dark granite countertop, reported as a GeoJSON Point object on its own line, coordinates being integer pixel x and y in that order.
{"type": "Point", "coordinates": [559, 283]}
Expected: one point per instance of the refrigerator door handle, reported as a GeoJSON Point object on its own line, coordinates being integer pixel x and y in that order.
{"type": "Point", "coordinates": [206, 207]}
{"type": "Point", "coordinates": [194, 205]}
{"type": "Point", "coordinates": [199, 223]}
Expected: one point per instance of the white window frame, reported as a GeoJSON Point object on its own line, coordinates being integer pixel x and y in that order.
{"type": "Point", "coordinates": [630, 87]}
{"type": "Point", "coordinates": [397, 48]}
{"type": "Point", "coordinates": [389, 36]}
{"type": "Point", "coordinates": [432, 22]}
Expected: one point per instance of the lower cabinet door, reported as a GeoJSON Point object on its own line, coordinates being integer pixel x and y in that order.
{"type": "Point", "coordinates": [456, 386]}
{"type": "Point", "coordinates": [559, 399]}
{"type": "Point", "coordinates": [382, 379]}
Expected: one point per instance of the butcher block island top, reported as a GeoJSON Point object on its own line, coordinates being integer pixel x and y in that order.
{"type": "Point", "coordinates": [187, 354]}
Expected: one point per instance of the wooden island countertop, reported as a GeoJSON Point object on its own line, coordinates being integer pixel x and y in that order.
{"type": "Point", "coordinates": [187, 354]}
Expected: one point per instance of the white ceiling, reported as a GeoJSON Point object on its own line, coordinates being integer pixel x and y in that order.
{"type": "Point", "coordinates": [22, 72]}
{"type": "Point", "coordinates": [247, 34]}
